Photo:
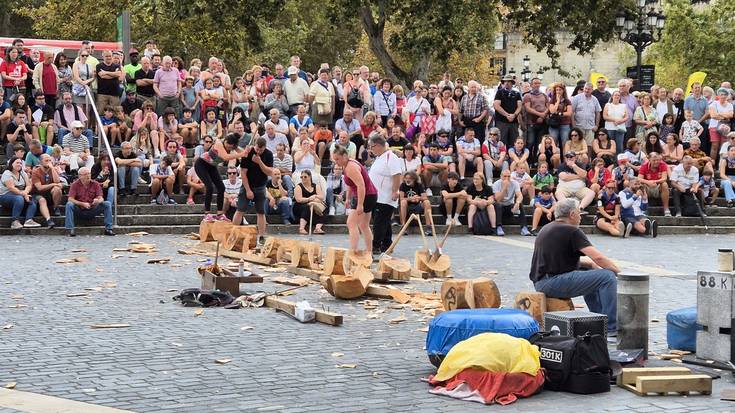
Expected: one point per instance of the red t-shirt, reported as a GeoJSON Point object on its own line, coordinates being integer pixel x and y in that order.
{"type": "Point", "coordinates": [85, 193]}
{"type": "Point", "coordinates": [15, 69]}
{"type": "Point", "coordinates": [652, 174]}
{"type": "Point", "coordinates": [49, 80]}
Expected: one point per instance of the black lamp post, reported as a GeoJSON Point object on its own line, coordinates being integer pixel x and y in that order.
{"type": "Point", "coordinates": [641, 28]}
{"type": "Point", "coordinates": [526, 73]}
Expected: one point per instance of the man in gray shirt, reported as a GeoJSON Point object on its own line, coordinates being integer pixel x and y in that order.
{"type": "Point", "coordinates": [586, 113]}
{"type": "Point", "coordinates": [508, 201]}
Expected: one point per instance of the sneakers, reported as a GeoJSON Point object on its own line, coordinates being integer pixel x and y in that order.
{"type": "Point", "coordinates": [221, 217]}
{"type": "Point", "coordinates": [621, 229]}
{"type": "Point", "coordinates": [109, 232]}
{"type": "Point", "coordinates": [142, 181]}
{"type": "Point", "coordinates": [171, 201]}
{"type": "Point", "coordinates": [730, 204]}
{"type": "Point", "coordinates": [449, 221]}
{"type": "Point", "coordinates": [654, 229]}
{"type": "Point", "coordinates": [525, 232]}
{"type": "Point", "coordinates": [534, 232]}
{"type": "Point", "coordinates": [189, 201]}
{"type": "Point", "coordinates": [16, 225]}
{"type": "Point", "coordinates": [647, 224]}
{"type": "Point", "coordinates": [332, 211]}
{"type": "Point", "coordinates": [31, 224]}
{"type": "Point", "coordinates": [678, 214]}
{"type": "Point", "coordinates": [50, 223]}
{"type": "Point", "coordinates": [261, 240]}
{"type": "Point", "coordinates": [456, 222]}
{"type": "Point", "coordinates": [207, 218]}
{"type": "Point", "coordinates": [499, 231]}
{"type": "Point", "coordinates": [244, 221]}
{"type": "Point", "coordinates": [153, 201]}
{"type": "Point", "coordinates": [428, 192]}
{"type": "Point", "coordinates": [628, 229]}
{"type": "Point", "coordinates": [428, 233]}
{"type": "Point", "coordinates": [667, 212]}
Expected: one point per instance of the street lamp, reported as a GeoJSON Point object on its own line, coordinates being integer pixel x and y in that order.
{"type": "Point", "coordinates": [540, 73]}
{"type": "Point", "coordinates": [641, 28]}
{"type": "Point", "coordinates": [526, 73]}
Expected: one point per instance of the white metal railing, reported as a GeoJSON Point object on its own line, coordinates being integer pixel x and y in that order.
{"type": "Point", "coordinates": [89, 101]}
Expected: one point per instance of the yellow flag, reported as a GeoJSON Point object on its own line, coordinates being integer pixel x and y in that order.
{"type": "Point", "coordinates": [594, 76]}
{"type": "Point", "coordinates": [696, 77]}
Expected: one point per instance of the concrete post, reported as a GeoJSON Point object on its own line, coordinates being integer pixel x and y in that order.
{"type": "Point", "coordinates": [632, 316]}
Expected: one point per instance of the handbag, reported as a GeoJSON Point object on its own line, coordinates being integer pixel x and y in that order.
{"type": "Point", "coordinates": [428, 124]}
{"type": "Point", "coordinates": [78, 90]}
{"type": "Point", "coordinates": [554, 120]}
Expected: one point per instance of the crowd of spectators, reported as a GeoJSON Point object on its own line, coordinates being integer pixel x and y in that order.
{"type": "Point", "coordinates": [486, 156]}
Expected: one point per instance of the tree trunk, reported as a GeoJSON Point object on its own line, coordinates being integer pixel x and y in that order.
{"type": "Point", "coordinates": [376, 41]}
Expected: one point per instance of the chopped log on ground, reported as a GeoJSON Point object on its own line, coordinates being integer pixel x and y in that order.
{"type": "Point", "coordinates": [333, 261]}
{"type": "Point", "coordinates": [559, 304]}
{"type": "Point", "coordinates": [348, 286]}
{"type": "Point", "coordinates": [453, 294]}
{"type": "Point", "coordinates": [482, 293]}
{"type": "Point", "coordinates": [241, 238]}
{"type": "Point", "coordinates": [438, 268]}
{"type": "Point", "coordinates": [214, 231]}
{"type": "Point", "coordinates": [534, 303]}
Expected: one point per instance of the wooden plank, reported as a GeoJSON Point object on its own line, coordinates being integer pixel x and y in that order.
{"type": "Point", "coordinates": [629, 375]}
{"type": "Point", "coordinates": [325, 317]}
{"type": "Point", "coordinates": [305, 272]}
{"type": "Point", "coordinates": [256, 259]}
{"type": "Point", "coordinates": [378, 291]}
{"type": "Point", "coordinates": [682, 383]}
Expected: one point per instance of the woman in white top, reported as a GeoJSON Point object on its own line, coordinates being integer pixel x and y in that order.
{"type": "Point", "coordinates": [305, 158]}
{"type": "Point", "coordinates": [411, 162]}
{"type": "Point", "coordinates": [83, 74]}
{"type": "Point", "coordinates": [615, 115]}
{"type": "Point", "coordinates": [15, 193]}
{"type": "Point", "coordinates": [417, 107]}
{"type": "Point", "coordinates": [384, 101]}
{"type": "Point", "coordinates": [720, 113]}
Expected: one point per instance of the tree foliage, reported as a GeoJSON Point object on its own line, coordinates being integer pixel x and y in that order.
{"type": "Point", "coordinates": [695, 40]}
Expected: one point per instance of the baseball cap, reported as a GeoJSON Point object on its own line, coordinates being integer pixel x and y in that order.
{"type": "Point", "coordinates": [77, 124]}
{"type": "Point", "coordinates": [570, 154]}
{"type": "Point", "coordinates": [622, 157]}
{"type": "Point", "coordinates": [292, 70]}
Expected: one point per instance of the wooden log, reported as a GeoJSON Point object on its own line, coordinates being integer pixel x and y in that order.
{"type": "Point", "coordinates": [559, 304]}
{"type": "Point", "coordinates": [308, 257]}
{"type": "Point", "coordinates": [356, 259]}
{"type": "Point", "coordinates": [220, 230]}
{"type": "Point", "coordinates": [204, 229]}
{"type": "Point", "coordinates": [241, 238]}
{"type": "Point", "coordinates": [452, 294]}
{"type": "Point", "coordinates": [270, 247]}
{"type": "Point", "coordinates": [287, 253]}
{"type": "Point", "coordinates": [532, 302]}
{"type": "Point", "coordinates": [325, 317]}
{"type": "Point", "coordinates": [438, 268]}
{"type": "Point", "coordinates": [348, 286]}
{"type": "Point", "coordinates": [482, 293]}
{"type": "Point", "coordinates": [254, 258]}
{"type": "Point", "coordinates": [397, 269]}
{"type": "Point", "coordinates": [314, 256]}
{"type": "Point", "coordinates": [333, 261]}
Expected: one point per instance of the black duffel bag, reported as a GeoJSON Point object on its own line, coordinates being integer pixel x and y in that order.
{"type": "Point", "coordinates": [574, 364]}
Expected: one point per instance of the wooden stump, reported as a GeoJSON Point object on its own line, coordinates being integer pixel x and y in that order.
{"type": "Point", "coordinates": [453, 294]}
{"type": "Point", "coordinates": [394, 269]}
{"type": "Point", "coordinates": [438, 268]}
{"type": "Point", "coordinates": [241, 238]}
{"type": "Point", "coordinates": [482, 293]}
{"type": "Point", "coordinates": [314, 256]}
{"type": "Point", "coordinates": [333, 261]}
{"type": "Point", "coordinates": [214, 231]}
{"type": "Point", "coordinates": [356, 259]}
{"type": "Point", "coordinates": [309, 256]}
{"type": "Point", "coordinates": [270, 248]}
{"type": "Point", "coordinates": [287, 253]}
{"type": "Point", "coordinates": [559, 304]}
{"type": "Point", "coordinates": [347, 286]}
{"type": "Point", "coordinates": [532, 302]}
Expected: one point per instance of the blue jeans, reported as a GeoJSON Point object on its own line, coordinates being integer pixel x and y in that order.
{"type": "Point", "coordinates": [122, 172]}
{"type": "Point", "coordinates": [73, 211]}
{"type": "Point", "coordinates": [283, 208]}
{"type": "Point", "coordinates": [560, 134]}
{"type": "Point", "coordinates": [17, 203]}
{"type": "Point", "coordinates": [599, 288]}
{"type": "Point", "coordinates": [728, 188]}
{"type": "Point", "coordinates": [87, 132]}
{"type": "Point", "coordinates": [619, 137]}
{"type": "Point", "coordinates": [288, 185]}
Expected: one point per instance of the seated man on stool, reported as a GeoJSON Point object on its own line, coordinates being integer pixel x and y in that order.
{"type": "Point", "coordinates": [86, 201]}
{"type": "Point", "coordinates": [558, 271]}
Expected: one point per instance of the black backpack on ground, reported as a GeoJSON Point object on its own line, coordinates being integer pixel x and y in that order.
{"type": "Point", "coordinates": [690, 205]}
{"type": "Point", "coordinates": [574, 364]}
{"type": "Point", "coordinates": [481, 223]}
{"type": "Point", "coordinates": [196, 297]}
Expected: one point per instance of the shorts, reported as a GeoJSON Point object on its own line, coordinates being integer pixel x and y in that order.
{"type": "Point", "coordinates": [714, 136]}
{"type": "Point", "coordinates": [369, 204]}
{"type": "Point", "coordinates": [448, 159]}
{"type": "Point", "coordinates": [571, 193]}
{"type": "Point", "coordinates": [589, 136]}
{"type": "Point", "coordinates": [633, 220]}
{"type": "Point", "coordinates": [654, 192]}
{"type": "Point", "coordinates": [259, 199]}
{"type": "Point", "coordinates": [415, 208]}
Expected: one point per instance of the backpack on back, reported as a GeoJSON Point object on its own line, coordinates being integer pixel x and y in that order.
{"type": "Point", "coordinates": [354, 99]}
{"type": "Point", "coordinates": [574, 364]}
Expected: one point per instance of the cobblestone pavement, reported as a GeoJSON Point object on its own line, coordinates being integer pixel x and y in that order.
{"type": "Point", "coordinates": [164, 362]}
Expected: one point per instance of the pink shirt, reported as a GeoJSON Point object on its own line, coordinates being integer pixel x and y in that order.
{"type": "Point", "coordinates": [167, 81]}
{"type": "Point", "coordinates": [138, 121]}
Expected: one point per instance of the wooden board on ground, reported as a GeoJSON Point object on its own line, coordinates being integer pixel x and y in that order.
{"type": "Point", "coordinates": [534, 303]}
{"type": "Point", "coordinates": [332, 319]}
{"type": "Point", "coordinates": [482, 293]}
{"type": "Point", "coordinates": [254, 258]}
{"type": "Point", "coordinates": [664, 380]}
{"type": "Point", "coordinates": [453, 294]}
{"type": "Point", "coordinates": [305, 272]}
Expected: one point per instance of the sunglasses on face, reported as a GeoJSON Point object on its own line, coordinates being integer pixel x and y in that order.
{"type": "Point", "coordinates": [573, 134]}
{"type": "Point", "coordinates": [85, 55]}
{"type": "Point", "coordinates": [231, 173]}
{"type": "Point", "coordinates": [493, 134]}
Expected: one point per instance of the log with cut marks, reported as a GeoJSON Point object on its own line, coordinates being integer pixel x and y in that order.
{"type": "Point", "coordinates": [453, 294]}
{"type": "Point", "coordinates": [241, 238]}
{"type": "Point", "coordinates": [482, 293]}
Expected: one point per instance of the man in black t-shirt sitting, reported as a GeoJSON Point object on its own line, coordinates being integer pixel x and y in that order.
{"type": "Point", "coordinates": [255, 169]}
{"type": "Point", "coordinates": [413, 200]}
{"type": "Point", "coordinates": [558, 271]}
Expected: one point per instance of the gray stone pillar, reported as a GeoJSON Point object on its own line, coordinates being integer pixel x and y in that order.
{"type": "Point", "coordinates": [632, 316]}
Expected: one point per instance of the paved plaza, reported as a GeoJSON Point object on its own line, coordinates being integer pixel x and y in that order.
{"type": "Point", "coordinates": [165, 360]}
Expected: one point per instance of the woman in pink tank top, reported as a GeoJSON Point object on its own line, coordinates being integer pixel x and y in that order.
{"type": "Point", "coordinates": [360, 186]}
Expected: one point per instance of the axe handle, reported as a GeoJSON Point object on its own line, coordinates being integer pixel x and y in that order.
{"type": "Point", "coordinates": [423, 237]}
{"type": "Point", "coordinates": [400, 234]}
{"type": "Point", "coordinates": [438, 252]}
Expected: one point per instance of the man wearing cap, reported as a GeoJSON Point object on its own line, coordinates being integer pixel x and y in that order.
{"type": "Point", "coordinates": [473, 109]}
{"type": "Point", "coordinates": [130, 70]}
{"type": "Point", "coordinates": [77, 145]}
{"type": "Point", "coordinates": [167, 85]}
{"type": "Point", "coordinates": [45, 79]}
{"type": "Point", "coordinates": [67, 112]}
{"type": "Point", "coordinates": [42, 117]}
{"type": "Point", "coordinates": [573, 182]}
{"type": "Point", "coordinates": [507, 105]}
{"type": "Point", "coordinates": [296, 90]}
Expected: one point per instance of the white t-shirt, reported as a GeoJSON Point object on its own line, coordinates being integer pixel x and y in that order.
{"type": "Point", "coordinates": [381, 173]}
{"type": "Point", "coordinates": [410, 166]}
{"type": "Point", "coordinates": [713, 123]}
{"type": "Point", "coordinates": [231, 188]}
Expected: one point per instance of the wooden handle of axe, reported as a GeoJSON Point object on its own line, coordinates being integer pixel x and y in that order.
{"type": "Point", "coordinates": [438, 252]}
{"type": "Point", "coordinates": [400, 234]}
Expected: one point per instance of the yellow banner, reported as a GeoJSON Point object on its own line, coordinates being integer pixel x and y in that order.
{"type": "Point", "coordinates": [594, 76]}
{"type": "Point", "coordinates": [696, 77]}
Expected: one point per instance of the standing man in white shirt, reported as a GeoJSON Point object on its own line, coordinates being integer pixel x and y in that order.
{"type": "Point", "coordinates": [386, 176]}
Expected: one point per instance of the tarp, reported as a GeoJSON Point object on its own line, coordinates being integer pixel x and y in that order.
{"type": "Point", "coordinates": [488, 387]}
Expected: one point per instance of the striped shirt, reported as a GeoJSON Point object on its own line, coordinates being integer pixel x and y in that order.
{"type": "Point", "coordinates": [77, 144]}
{"type": "Point", "coordinates": [285, 163]}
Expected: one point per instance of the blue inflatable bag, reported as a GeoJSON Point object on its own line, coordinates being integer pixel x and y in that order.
{"type": "Point", "coordinates": [681, 329]}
